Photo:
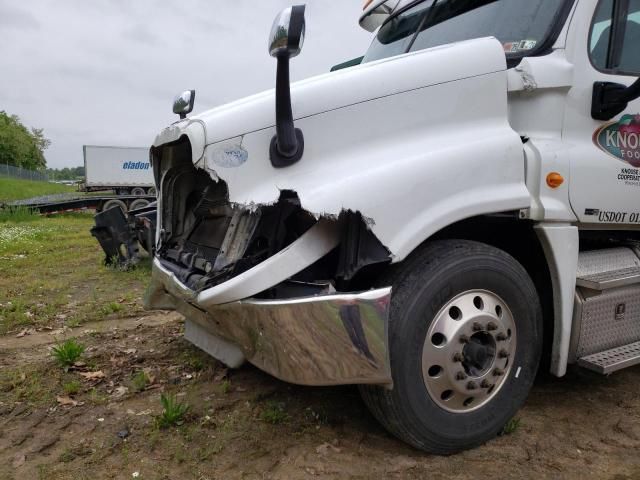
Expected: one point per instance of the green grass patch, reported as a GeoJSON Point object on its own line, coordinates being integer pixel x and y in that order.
{"type": "Point", "coordinates": [139, 382]}
{"type": "Point", "coordinates": [511, 427]}
{"type": "Point", "coordinates": [15, 189]}
{"type": "Point", "coordinates": [18, 215]}
{"type": "Point", "coordinates": [111, 307]}
{"type": "Point", "coordinates": [225, 386]}
{"type": "Point", "coordinates": [34, 385]}
{"type": "Point", "coordinates": [52, 274]}
{"type": "Point", "coordinates": [72, 388]}
{"type": "Point", "coordinates": [68, 352]}
{"type": "Point", "coordinates": [173, 411]}
{"type": "Point", "coordinates": [274, 413]}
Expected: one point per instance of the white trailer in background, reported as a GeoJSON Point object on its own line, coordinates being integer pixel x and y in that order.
{"type": "Point", "coordinates": [126, 170]}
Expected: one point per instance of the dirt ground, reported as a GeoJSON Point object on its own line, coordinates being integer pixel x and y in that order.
{"type": "Point", "coordinates": [100, 419]}
{"type": "Point", "coordinates": [245, 424]}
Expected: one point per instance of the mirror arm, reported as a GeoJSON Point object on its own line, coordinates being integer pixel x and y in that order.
{"type": "Point", "coordinates": [287, 146]}
{"type": "Point", "coordinates": [611, 99]}
{"type": "Point", "coordinates": [630, 93]}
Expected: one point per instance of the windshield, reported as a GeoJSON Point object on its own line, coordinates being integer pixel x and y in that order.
{"type": "Point", "coordinates": [520, 25]}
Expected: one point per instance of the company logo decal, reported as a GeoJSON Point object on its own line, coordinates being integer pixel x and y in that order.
{"type": "Point", "coordinates": [136, 166]}
{"type": "Point", "coordinates": [230, 156]}
{"type": "Point", "coordinates": [621, 139]}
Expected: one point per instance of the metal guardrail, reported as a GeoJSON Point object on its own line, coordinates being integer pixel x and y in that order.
{"type": "Point", "coordinates": [18, 172]}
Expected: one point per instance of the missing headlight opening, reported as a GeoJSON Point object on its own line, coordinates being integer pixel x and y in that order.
{"type": "Point", "coordinates": [206, 240]}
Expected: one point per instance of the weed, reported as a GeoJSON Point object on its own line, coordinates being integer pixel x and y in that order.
{"type": "Point", "coordinates": [72, 387]}
{"type": "Point", "coordinates": [67, 456]}
{"type": "Point", "coordinates": [97, 398]}
{"type": "Point", "coordinates": [67, 353]}
{"type": "Point", "coordinates": [18, 214]}
{"type": "Point", "coordinates": [180, 455]}
{"type": "Point", "coordinates": [196, 364]}
{"type": "Point", "coordinates": [109, 308]}
{"type": "Point", "coordinates": [274, 413]}
{"type": "Point", "coordinates": [73, 322]}
{"type": "Point", "coordinates": [225, 386]}
{"type": "Point", "coordinates": [140, 382]}
{"type": "Point", "coordinates": [511, 426]}
{"type": "Point", "coordinates": [193, 359]}
{"type": "Point", "coordinates": [27, 385]}
{"type": "Point", "coordinates": [173, 412]}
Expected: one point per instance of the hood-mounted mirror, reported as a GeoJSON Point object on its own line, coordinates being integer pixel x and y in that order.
{"type": "Point", "coordinates": [376, 12]}
{"type": "Point", "coordinates": [285, 42]}
{"type": "Point", "coordinates": [183, 103]}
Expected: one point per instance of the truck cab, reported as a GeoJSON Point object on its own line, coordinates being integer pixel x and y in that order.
{"type": "Point", "coordinates": [431, 223]}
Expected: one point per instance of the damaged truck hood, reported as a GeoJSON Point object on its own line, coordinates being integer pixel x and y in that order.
{"type": "Point", "coordinates": [380, 138]}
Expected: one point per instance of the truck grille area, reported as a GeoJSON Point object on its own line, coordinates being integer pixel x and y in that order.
{"type": "Point", "coordinates": [205, 240]}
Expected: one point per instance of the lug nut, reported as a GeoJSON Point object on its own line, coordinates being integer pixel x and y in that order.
{"type": "Point", "coordinates": [458, 357]}
{"type": "Point", "coordinates": [501, 337]}
{"type": "Point", "coordinates": [472, 386]}
{"type": "Point", "coordinates": [503, 354]}
{"type": "Point", "coordinates": [492, 326]}
{"type": "Point", "coordinates": [498, 372]}
{"type": "Point", "coordinates": [461, 376]}
{"type": "Point", "coordinates": [477, 327]}
{"type": "Point", "coordinates": [485, 384]}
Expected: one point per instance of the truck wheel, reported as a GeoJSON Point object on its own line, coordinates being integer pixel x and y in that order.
{"type": "Point", "coordinates": [113, 204]}
{"type": "Point", "coordinates": [139, 203]}
{"type": "Point", "coordinates": [152, 192]}
{"type": "Point", "coordinates": [465, 340]}
{"type": "Point", "coordinates": [138, 191]}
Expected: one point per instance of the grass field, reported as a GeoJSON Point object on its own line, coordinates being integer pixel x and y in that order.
{"type": "Point", "coordinates": [52, 275]}
{"type": "Point", "coordinates": [15, 189]}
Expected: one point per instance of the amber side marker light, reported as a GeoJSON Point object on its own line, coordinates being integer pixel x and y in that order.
{"type": "Point", "coordinates": [554, 180]}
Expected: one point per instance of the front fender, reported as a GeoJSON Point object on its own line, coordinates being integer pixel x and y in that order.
{"type": "Point", "coordinates": [411, 163]}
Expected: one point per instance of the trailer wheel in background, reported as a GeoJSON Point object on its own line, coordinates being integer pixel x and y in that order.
{"type": "Point", "coordinates": [465, 340]}
{"type": "Point", "coordinates": [152, 191]}
{"type": "Point", "coordinates": [108, 205]}
{"type": "Point", "coordinates": [138, 191]}
{"type": "Point", "coordinates": [139, 203]}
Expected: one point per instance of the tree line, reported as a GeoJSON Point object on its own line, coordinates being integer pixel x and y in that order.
{"type": "Point", "coordinates": [76, 173]}
{"type": "Point", "coordinates": [20, 146]}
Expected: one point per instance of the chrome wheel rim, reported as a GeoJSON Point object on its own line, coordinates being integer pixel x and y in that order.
{"type": "Point", "coordinates": [469, 351]}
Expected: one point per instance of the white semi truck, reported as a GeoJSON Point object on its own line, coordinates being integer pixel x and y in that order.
{"type": "Point", "coordinates": [126, 170]}
{"type": "Point", "coordinates": [433, 224]}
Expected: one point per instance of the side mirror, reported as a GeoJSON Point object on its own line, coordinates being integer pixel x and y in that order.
{"type": "Point", "coordinates": [611, 99]}
{"type": "Point", "coordinates": [183, 103]}
{"type": "Point", "coordinates": [376, 13]}
{"type": "Point", "coordinates": [285, 42]}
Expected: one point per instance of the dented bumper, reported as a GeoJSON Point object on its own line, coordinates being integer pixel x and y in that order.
{"type": "Point", "coordinates": [335, 339]}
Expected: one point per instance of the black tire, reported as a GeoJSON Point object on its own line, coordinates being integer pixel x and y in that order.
{"type": "Point", "coordinates": [152, 192]}
{"type": "Point", "coordinates": [109, 204]}
{"type": "Point", "coordinates": [138, 191]}
{"type": "Point", "coordinates": [421, 287]}
{"type": "Point", "coordinates": [138, 203]}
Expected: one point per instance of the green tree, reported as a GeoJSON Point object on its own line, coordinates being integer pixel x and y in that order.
{"type": "Point", "coordinates": [20, 146]}
{"type": "Point", "coordinates": [73, 173]}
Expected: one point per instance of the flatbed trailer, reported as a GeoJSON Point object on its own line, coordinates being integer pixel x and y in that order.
{"type": "Point", "coordinates": [97, 203]}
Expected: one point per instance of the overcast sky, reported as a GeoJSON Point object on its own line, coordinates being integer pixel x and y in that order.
{"type": "Point", "coordinates": [104, 72]}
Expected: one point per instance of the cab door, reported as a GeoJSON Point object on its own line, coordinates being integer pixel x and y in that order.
{"type": "Point", "coordinates": [604, 154]}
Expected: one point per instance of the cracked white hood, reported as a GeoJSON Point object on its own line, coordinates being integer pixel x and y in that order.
{"type": "Point", "coordinates": [413, 143]}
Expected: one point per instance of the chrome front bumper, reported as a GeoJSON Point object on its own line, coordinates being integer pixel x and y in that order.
{"type": "Point", "coordinates": [336, 339]}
